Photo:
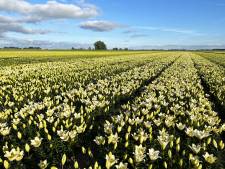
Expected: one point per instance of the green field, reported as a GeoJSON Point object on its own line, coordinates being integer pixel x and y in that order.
{"type": "Point", "coordinates": [125, 109]}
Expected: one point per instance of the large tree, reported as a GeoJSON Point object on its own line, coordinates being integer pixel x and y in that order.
{"type": "Point", "coordinates": [99, 45]}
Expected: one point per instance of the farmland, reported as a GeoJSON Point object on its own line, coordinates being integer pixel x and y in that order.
{"type": "Point", "coordinates": [127, 109]}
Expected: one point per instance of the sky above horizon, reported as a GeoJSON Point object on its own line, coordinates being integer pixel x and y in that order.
{"type": "Point", "coordinates": [142, 24]}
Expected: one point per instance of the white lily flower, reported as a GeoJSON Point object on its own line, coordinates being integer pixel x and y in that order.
{"type": "Point", "coordinates": [36, 142]}
{"type": "Point", "coordinates": [153, 154]}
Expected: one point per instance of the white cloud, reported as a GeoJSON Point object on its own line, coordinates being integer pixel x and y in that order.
{"type": "Point", "coordinates": [174, 30]}
{"type": "Point", "coordinates": [99, 25]}
{"type": "Point", "coordinates": [138, 35]}
{"type": "Point", "coordinates": [49, 10]}
{"type": "Point", "coordinates": [8, 24]}
{"type": "Point", "coordinates": [44, 44]}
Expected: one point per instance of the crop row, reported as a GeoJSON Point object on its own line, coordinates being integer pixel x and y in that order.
{"type": "Point", "coordinates": [42, 132]}
{"type": "Point", "coordinates": [214, 76]}
{"type": "Point", "coordinates": [215, 57]}
{"type": "Point", "coordinates": [171, 125]}
{"type": "Point", "coordinates": [32, 83]}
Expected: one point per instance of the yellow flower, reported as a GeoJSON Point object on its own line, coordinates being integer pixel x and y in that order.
{"type": "Point", "coordinates": [43, 164]}
{"type": "Point", "coordinates": [210, 158]}
{"type": "Point", "coordinates": [110, 160]}
{"type": "Point", "coordinates": [153, 154]}
{"type": "Point", "coordinates": [14, 154]}
{"type": "Point", "coordinates": [99, 140]}
{"type": "Point", "coordinates": [36, 142]}
{"type": "Point", "coordinates": [113, 138]}
{"type": "Point", "coordinates": [5, 131]}
{"type": "Point", "coordinates": [195, 148]}
{"type": "Point", "coordinates": [180, 126]}
{"type": "Point", "coordinates": [139, 153]}
{"type": "Point", "coordinates": [121, 165]}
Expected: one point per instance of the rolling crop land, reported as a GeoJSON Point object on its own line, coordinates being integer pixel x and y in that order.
{"type": "Point", "coordinates": [104, 109]}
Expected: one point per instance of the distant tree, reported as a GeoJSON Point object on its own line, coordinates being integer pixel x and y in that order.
{"type": "Point", "coordinates": [72, 48]}
{"type": "Point", "coordinates": [89, 48]}
{"type": "Point", "coordinates": [99, 45]}
{"type": "Point", "coordinates": [115, 48]}
{"type": "Point", "coordinates": [125, 48]}
{"type": "Point", "coordinates": [32, 48]}
{"type": "Point", "coordinates": [11, 47]}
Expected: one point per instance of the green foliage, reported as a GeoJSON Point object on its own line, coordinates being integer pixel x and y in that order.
{"type": "Point", "coordinates": [99, 45]}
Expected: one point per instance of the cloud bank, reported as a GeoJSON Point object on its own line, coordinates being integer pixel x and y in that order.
{"type": "Point", "coordinates": [48, 11]}
{"type": "Point", "coordinates": [99, 25]}
{"type": "Point", "coordinates": [8, 24]}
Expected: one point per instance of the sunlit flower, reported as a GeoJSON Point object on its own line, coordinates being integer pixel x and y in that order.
{"type": "Point", "coordinates": [64, 135]}
{"type": "Point", "coordinates": [122, 166]}
{"type": "Point", "coordinates": [5, 131]}
{"type": "Point", "coordinates": [153, 154]}
{"type": "Point", "coordinates": [201, 134]}
{"type": "Point", "coordinates": [210, 158]}
{"type": "Point", "coordinates": [180, 126]}
{"type": "Point", "coordinates": [139, 153]}
{"type": "Point", "coordinates": [36, 142]}
{"type": "Point", "coordinates": [14, 154]}
{"type": "Point", "coordinates": [190, 131]}
{"type": "Point", "coordinates": [163, 138]}
{"type": "Point", "coordinates": [43, 164]}
{"type": "Point", "coordinates": [113, 138]}
{"type": "Point", "coordinates": [108, 127]}
{"type": "Point", "coordinates": [110, 160]}
{"type": "Point", "coordinates": [195, 148]}
{"type": "Point", "coordinates": [99, 140]}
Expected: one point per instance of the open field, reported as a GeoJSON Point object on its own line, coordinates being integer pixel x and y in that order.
{"type": "Point", "coordinates": [130, 109]}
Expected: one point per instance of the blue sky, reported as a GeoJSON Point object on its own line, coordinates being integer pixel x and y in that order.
{"type": "Point", "coordinates": [120, 23]}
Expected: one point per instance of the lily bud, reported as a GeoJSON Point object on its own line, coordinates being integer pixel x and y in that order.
{"type": "Point", "coordinates": [178, 140]}
{"type": "Point", "coordinates": [209, 140]}
{"type": "Point", "coordinates": [49, 137]}
{"type": "Point", "coordinates": [130, 160]}
{"type": "Point", "coordinates": [83, 150]}
{"type": "Point", "coordinates": [14, 127]}
{"type": "Point", "coordinates": [125, 157]}
{"type": "Point", "coordinates": [215, 143]}
{"type": "Point", "coordinates": [115, 146]}
{"type": "Point", "coordinates": [200, 166]}
{"type": "Point", "coordinates": [96, 165]}
{"type": "Point", "coordinates": [221, 144]}
{"type": "Point", "coordinates": [171, 144]}
{"type": "Point", "coordinates": [181, 162]}
{"type": "Point", "coordinates": [119, 128]}
{"type": "Point", "coordinates": [126, 144]}
{"type": "Point", "coordinates": [170, 154]}
{"type": "Point", "coordinates": [178, 148]}
{"type": "Point", "coordinates": [6, 164]}
{"type": "Point", "coordinates": [129, 129]}
{"type": "Point", "coordinates": [63, 159]}
{"type": "Point", "coordinates": [24, 126]}
{"type": "Point", "coordinates": [19, 135]}
{"type": "Point", "coordinates": [90, 153]}
{"type": "Point", "coordinates": [127, 136]}
{"type": "Point", "coordinates": [150, 166]}
{"type": "Point", "coordinates": [165, 164]}
{"type": "Point", "coordinates": [76, 165]}
{"type": "Point", "coordinates": [27, 147]}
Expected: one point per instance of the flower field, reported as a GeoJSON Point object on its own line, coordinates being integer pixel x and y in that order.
{"type": "Point", "coordinates": [118, 110]}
